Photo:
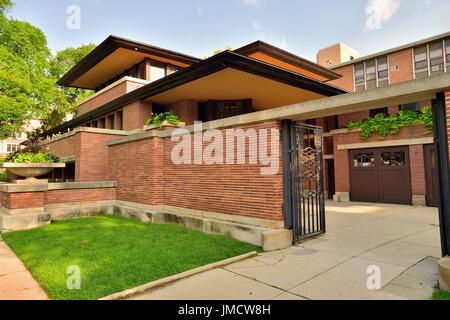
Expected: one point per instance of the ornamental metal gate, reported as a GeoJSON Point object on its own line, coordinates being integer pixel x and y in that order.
{"type": "Point", "coordinates": [304, 201]}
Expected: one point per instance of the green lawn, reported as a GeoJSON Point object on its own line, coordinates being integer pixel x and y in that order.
{"type": "Point", "coordinates": [440, 295]}
{"type": "Point", "coordinates": [115, 253]}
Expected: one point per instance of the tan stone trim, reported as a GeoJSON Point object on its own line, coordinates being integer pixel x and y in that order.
{"type": "Point", "coordinates": [16, 188]}
{"type": "Point", "coordinates": [328, 157]}
{"type": "Point", "coordinates": [88, 130]}
{"type": "Point", "coordinates": [265, 223]}
{"type": "Point", "coordinates": [390, 143]}
{"type": "Point", "coordinates": [112, 85]}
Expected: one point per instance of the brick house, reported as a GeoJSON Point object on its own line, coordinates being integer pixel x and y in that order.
{"type": "Point", "coordinates": [116, 164]}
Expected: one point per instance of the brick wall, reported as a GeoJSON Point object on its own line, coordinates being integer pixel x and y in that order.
{"type": "Point", "coordinates": [91, 153]}
{"type": "Point", "coordinates": [150, 177]}
{"type": "Point", "coordinates": [345, 118]}
{"type": "Point", "coordinates": [23, 200]}
{"type": "Point", "coordinates": [417, 167]}
{"type": "Point", "coordinates": [136, 114]}
{"type": "Point", "coordinates": [79, 195]}
{"type": "Point", "coordinates": [403, 60]}
{"type": "Point", "coordinates": [346, 82]}
{"type": "Point", "coordinates": [186, 110]}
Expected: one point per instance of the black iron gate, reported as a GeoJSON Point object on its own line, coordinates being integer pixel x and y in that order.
{"type": "Point", "coordinates": [304, 201]}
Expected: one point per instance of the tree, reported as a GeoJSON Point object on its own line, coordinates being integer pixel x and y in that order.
{"type": "Point", "coordinates": [61, 64]}
{"type": "Point", "coordinates": [28, 75]}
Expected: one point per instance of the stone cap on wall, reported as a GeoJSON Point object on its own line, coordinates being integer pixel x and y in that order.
{"type": "Point", "coordinates": [16, 188]}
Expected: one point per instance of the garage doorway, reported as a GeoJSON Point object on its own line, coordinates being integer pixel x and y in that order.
{"type": "Point", "coordinates": [431, 176]}
{"type": "Point", "coordinates": [381, 175]}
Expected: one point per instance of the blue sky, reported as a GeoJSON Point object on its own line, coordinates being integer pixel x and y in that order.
{"type": "Point", "coordinates": [198, 27]}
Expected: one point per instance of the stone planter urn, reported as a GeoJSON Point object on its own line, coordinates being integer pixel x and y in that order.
{"type": "Point", "coordinates": [165, 125]}
{"type": "Point", "coordinates": [31, 170]}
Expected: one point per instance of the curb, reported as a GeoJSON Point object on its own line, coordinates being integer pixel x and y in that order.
{"type": "Point", "coordinates": [161, 282]}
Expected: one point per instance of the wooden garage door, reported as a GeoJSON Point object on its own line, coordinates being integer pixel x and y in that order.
{"type": "Point", "coordinates": [380, 175]}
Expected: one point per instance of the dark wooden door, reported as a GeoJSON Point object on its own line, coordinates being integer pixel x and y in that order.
{"type": "Point", "coordinates": [431, 177]}
{"type": "Point", "coordinates": [381, 175]}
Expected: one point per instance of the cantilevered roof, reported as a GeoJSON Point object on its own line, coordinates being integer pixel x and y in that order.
{"type": "Point", "coordinates": [263, 51]}
{"type": "Point", "coordinates": [115, 55]}
{"type": "Point", "coordinates": [227, 75]}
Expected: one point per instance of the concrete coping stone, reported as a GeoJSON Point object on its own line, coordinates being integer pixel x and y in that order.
{"type": "Point", "coordinates": [161, 282]}
{"type": "Point", "coordinates": [87, 130]}
{"type": "Point", "coordinates": [17, 188]}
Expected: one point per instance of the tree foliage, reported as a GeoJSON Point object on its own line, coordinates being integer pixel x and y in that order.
{"type": "Point", "coordinates": [28, 75]}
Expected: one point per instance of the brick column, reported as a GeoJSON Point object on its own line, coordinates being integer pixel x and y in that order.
{"type": "Point", "coordinates": [418, 181]}
{"type": "Point", "coordinates": [341, 172]}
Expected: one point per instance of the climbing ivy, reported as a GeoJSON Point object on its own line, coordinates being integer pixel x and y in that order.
{"type": "Point", "coordinates": [385, 125]}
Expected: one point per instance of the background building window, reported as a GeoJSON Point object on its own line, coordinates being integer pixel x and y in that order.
{"type": "Point", "coordinates": [447, 53]}
{"type": "Point", "coordinates": [374, 112]}
{"type": "Point", "coordinates": [12, 147]}
{"type": "Point", "coordinates": [436, 57]}
{"type": "Point", "coordinates": [414, 106]}
{"type": "Point", "coordinates": [371, 74]}
{"type": "Point", "coordinates": [421, 62]}
{"type": "Point", "coordinates": [360, 81]}
{"type": "Point", "coordinates": [383, 71]}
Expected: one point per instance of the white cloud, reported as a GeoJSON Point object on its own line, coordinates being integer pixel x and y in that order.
{"type": "Point", "coordinates": [257, 26]}
{"type": "Point", "coordinates": [253, 3]}
{"type": "Point", "coordinates": [380, 11]}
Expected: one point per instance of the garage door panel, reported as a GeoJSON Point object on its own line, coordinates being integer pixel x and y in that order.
{"type": "Point", "coordinates": [386, 178]}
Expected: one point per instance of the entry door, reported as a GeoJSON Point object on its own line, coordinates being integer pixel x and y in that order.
{"type": "Point", "coordinates": [381, 175]}
{"type": "Point", "coordinates": [431, 177]}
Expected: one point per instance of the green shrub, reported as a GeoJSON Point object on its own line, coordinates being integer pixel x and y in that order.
{"type": "Point", "coordinates": [3, 175]}
{"type": "Point", "coordinates": [159, 118]}
{"type": "Point", "coordinates": [29, 157]}
{"type": "Point", "coordinates": [385, 125]}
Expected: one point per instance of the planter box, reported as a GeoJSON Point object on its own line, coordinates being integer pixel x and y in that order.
{"type": "Point", "coordinates": [31, 170]}
{"type": "Point", "coordinates": [165, 126]}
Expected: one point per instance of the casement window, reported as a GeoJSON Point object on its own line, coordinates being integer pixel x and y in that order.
{"type": "Point", "coordinates": [383, 71]}
{"type": "Point", "coordinates": [436, 57]}
{"type": "Point", "coordinates": [157, 71]}
{"type": "Point", "coordinates": [12, 147]}
{"type": "Point", "coordinates": [414, 106]}
{"type": "Point", "coordinates": [374, 112]}
{"type": "Point", "coordinates": [111, 120]}
{"type": "Point", "coordinates": [372, 74]}
{"type": "Point", "coordinates": [447, 53]}
{"type": "Point", "coordinates": [421, 62]}
{"type": "Point", "coordinates": [360, 80]}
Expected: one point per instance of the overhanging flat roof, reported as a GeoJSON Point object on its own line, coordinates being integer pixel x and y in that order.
{"type": "Point", "coordinates": [213, 65]}
{"type": "Point", "coordinates": [283, 55]}
{"type": "Point", "coordinates": [115, 55]}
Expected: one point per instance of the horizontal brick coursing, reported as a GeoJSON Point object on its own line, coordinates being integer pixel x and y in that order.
{"type": "Point", "coordinates": [24, 200]}
{"type": "Point", "coordinates": [146, 174]}
{"type": "Point", "coordinates": [79, 195]}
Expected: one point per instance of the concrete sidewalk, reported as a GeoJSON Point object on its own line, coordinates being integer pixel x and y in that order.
{"type": "Point", "coordinates": [16, 282]}
{"type": "Point", "coordinates": [403, 242]}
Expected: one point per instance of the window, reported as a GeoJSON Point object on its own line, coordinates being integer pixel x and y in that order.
{"type": "Point", "coordinates": [120, 120]}
{"type": "Point", "coordinates": [383, 71]}
{"type": "Point", "coordinates": [374, 112]}
{"type": "Point", "coordinates": [111, 119]}
{"type": "Point", "coordinates": [101, 123]}
{"type": "Point", "coordinates": [226, 109]}
{"type": "Point", "coordinates": [360, 81]}
{"type": "Point", "coordinates": [421, 62]}
{"type": "Point", "coordinates": [371, 74]}
{"type": "Point", "coordinates": [436, 57]}
{"type": "Point", "coordinates": [393, 159]}
{"type": "Point", "coordinates": [157, 71]}
{"type": "Point", "coordinates": [12, 147]}
{"type": "Point", "coordinates": [414, 106]}
{"type": "Point", "coordinates": [364, 160]}
{"type": "Point", "coordinates": [447, 53]}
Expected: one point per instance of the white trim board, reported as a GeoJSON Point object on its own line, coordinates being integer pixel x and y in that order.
{"type": "Point", "coordinates": [390, 143]}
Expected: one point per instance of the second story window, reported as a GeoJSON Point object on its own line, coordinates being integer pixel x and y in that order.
{"type": "Point", "coordinates": [360, 80]}
{"type": "Point", "coordinates": [447, 53]}
{"type": "Point", "coordinates": [421, 62]}
{"type": "Point", "coordinates": [157, 71]}
{"type": "Point", "coordinates": [436, 57]}
{"type": "Point", "coordinates": [12, 147]}
{"type": "Point", "coordinates": [372, 73]}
